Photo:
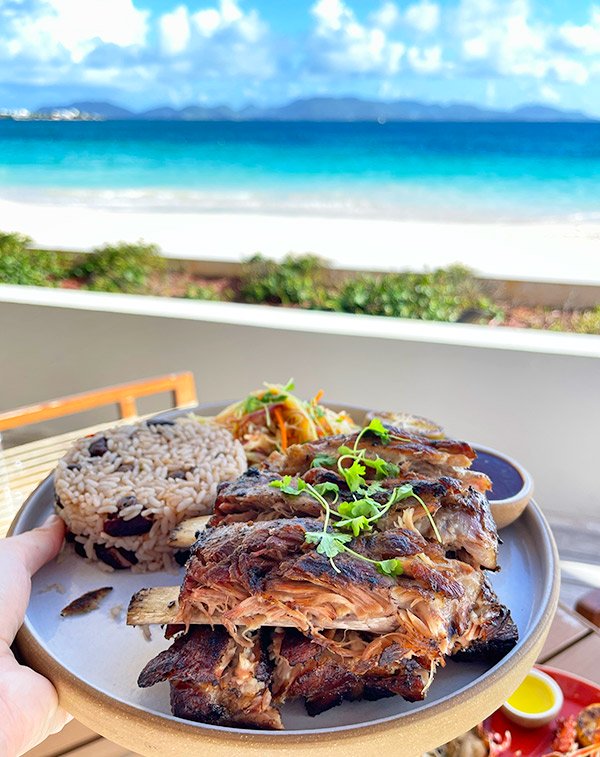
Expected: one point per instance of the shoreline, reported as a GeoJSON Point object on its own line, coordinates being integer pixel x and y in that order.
{"type": "Point", "coordinates": [559, 251]}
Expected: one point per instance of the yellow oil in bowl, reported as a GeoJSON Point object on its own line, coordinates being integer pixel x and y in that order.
{"type": "Point", "coordinates": [533, 696]}
{"type": "Point", "coordinates": [536, 702]}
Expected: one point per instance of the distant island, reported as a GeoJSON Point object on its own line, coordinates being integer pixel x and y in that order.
{"type": "Point", "coordinates": [341, 109]}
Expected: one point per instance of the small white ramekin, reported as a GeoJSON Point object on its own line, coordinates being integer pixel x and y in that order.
{"type": "Point", "coordinates": [537, 719]}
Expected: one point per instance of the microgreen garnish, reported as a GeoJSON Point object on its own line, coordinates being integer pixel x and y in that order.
{"type": "Point", "coordinates": [323, 461]}
{"type": "Point", "coordinates": [391, 567]}
{"type": "Point", "coordinates": [285, 484]}
{"type": "Point", "coordinates": [360, 514]}
{"type": "Point", "coordinates": [328, 544]}
{"type": "Point", "coordinates": [327, 487]}
{"type": "Point", "coordinates": [376, 427]}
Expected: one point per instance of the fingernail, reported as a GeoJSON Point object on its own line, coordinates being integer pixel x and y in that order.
{"type": "Point", "coordinates": [50, 520]}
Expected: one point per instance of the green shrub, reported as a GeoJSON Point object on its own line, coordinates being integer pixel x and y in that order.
{"type": "Point", "coordinates": [207, 292]}
{"type": "Point", "coordinates": [119, 268]}
{"type": "Point", "coordinates": [297, 280]}
{"type": "Point", "coordinates": [588, 322]}
{"type": "Point", "coordinates": [21, 265]}
{"type": "Point", "coordinates": [441, 295]}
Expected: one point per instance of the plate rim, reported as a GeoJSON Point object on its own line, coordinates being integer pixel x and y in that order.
{"type": "Point", "coordinates": [75, 692]}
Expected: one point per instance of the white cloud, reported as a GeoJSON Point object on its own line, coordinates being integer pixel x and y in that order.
{"type": "Point", "coordinates": [423, 16]}
{"type": "Point", "coordinates": [107, 43]}
{"type": "Point", "coordinates": [224, 50]}
{"type": "Point", "coordinates": [568, 70]}
{"type": "Point", "coordinates": [343, 45]}
{"type": "Point", "coordinates": [70, 29]}
{"type": "Point", "coordinates": [549, 94]}
{"type": "Point", "coordinates": [427, 60]}
{"type": "Point", "coordinates": [500, 32]}
{"type": "Point", "coordinates": [223, 40]}
{"type": "Point", "coordinates": [175, 30]}
{"type": "Point", "coordinates": [585, 38]}
{"type": "Point", "coordinates": [180, 29]}
{"type": "Point", "coordinates": [501, 37]}
{"type": "Point", "coordinates": [387, 16]}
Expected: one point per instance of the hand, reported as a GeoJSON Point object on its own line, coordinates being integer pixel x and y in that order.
{"type": "Point", "coordinates": [29, 709]}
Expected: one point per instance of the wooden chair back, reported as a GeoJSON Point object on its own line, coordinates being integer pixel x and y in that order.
{"type": "Point", "coordinates": [181, 385]}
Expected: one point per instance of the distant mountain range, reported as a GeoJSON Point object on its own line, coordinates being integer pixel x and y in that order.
{"type": "Point", "coordinates": [331, 109]}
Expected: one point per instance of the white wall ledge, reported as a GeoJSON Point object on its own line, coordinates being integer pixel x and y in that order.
{"type": "Point", "coordinates": [311, 321]}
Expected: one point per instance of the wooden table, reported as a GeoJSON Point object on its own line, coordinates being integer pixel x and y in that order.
{"type": "Point", "coordinates": [573, 643]}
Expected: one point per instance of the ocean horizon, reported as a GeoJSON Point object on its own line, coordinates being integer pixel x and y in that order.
{"type": "Point", "coordinates": [422, 171]}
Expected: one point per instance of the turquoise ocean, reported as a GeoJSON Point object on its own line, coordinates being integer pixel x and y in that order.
{"type": "Point", "coordinates": [462, 171]}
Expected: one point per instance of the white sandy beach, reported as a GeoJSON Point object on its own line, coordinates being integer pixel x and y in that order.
{"type": "Point", "coordinates": [564, 252]}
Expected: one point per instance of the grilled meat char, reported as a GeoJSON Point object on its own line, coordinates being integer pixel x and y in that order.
{"type": "Point", "coordinates": [429, 458]}
{"type": "Point", "coordinates": [254, 574]}
{"type": "Point", "coordinates": [253, 568]}
{"type": "Point", "coordinates": [323, 679]}
{"type": "Point", "coordinates": [462, 514]}
{"type": "Point", "coordinates": [215, 680]}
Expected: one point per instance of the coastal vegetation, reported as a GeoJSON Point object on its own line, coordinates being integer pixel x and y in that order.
{"type": "Point", "coordinates": [19, 264]}
{"type": "Point", "coordinates": [451, 294]}
{"type": "Point", "coordinates": [119, 268]}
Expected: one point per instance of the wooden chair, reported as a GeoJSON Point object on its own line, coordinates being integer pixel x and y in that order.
{"type": "Point", "coordinates": [23, 467]}
{"type": "Point", "coordinates": [124, 395]}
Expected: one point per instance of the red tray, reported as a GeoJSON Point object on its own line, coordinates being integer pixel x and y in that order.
{"type": "Point", "coordinates": [536, 742]}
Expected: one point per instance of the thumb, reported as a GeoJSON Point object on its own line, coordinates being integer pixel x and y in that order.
{"type": "Point", "coordinates": [36, 548]}
{"type": "Point", "coordinates": [20, 557]}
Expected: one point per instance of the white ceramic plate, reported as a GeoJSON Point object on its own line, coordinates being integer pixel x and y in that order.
{"type": "Point", "coordinates": [97, 658]}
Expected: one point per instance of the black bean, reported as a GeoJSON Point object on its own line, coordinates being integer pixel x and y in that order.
{"type": "Point", "coordinates": [98, 447]}
{"type": "Point", "coordinates": [77, 546]}
{"type": "Point", "coordinates": [79, 549]}
{"type": "Point", "coordinates": [133, 527]}
{"type": "Point", "coordinates": [177, 474]}
{"type": "Point", "coordinates": [182, 556]}
{"type": "Point", "coordinates": [117, 557]}
{"type": "Point", "coordinates": [159, 422]}
{"type": "Point", "coordinates": [124, 467]}
{"type": "Point", "coordinates": [75, 466]}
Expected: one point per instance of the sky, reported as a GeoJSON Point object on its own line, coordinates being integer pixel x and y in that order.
{"type": "Point", "coordinates": [143, 53]}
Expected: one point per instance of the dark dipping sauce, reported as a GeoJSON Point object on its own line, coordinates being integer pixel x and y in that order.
{"type": "Point", "coordinates": [506, 479]}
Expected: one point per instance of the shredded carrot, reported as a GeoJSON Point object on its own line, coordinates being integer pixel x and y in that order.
{"type": "Point", "coordinates": [318, 397]}
{"type": "Point", "coordinates": [282, 428]}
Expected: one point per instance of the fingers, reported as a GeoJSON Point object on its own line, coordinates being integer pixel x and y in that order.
{"type": "Point", "coordinates": [20, 557]}
{"type": "Point", "coordinates": [39, 546]}
{"type": "Point", "coordinates": [29, 709]}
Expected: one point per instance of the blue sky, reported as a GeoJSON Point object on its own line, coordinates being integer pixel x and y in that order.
{"type": "Point", "coordinates": [141, 53]}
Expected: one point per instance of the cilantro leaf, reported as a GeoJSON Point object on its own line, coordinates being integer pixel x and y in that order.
{"type": "Point", "coordinates": [402, 492]}
{"type": "Point", "coordinates": [390, 567]}
{"type": "Point", "coordinates": [285, 484]}
{"type": "Point", "coordinates": [327, 486]}
{"type": "Point", "coordinates": [366, 507]}
{"type": "Point", "coordinates": [377, 428]}
{"type": "Point", "coordinates": [382, 467]}
{"type": "Point", "coordinates": [354, 476]}
{"type": "Point", "coordinates": [290, 386]}
{"type": "Point", "coordinates": [322, 461]}
{"type": "Point", "coordinates": [356, 525]}
{"type": "Point", "coordinates": [373, 488]}
{"type": "Point", "coordinates": [328, 544]}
